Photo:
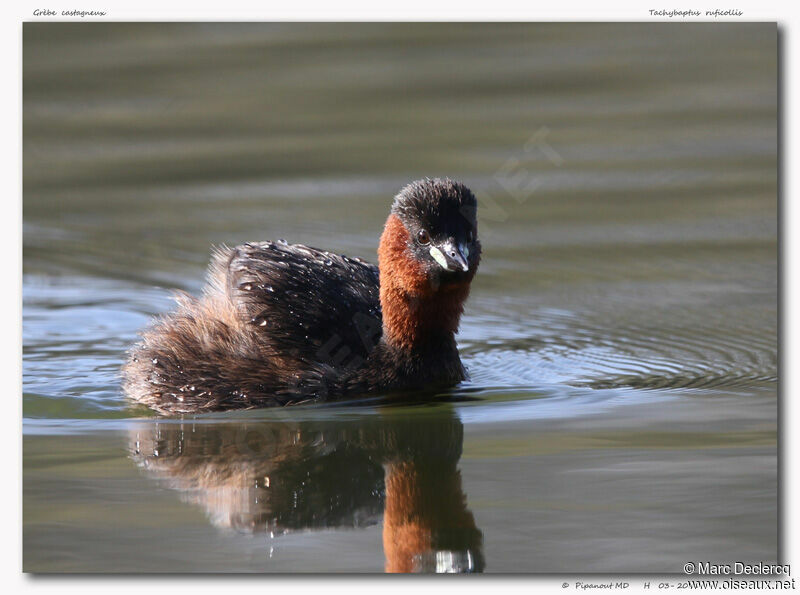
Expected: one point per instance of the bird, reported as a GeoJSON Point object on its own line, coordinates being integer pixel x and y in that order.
{"type": "Point", "coordinates": [282, 324]}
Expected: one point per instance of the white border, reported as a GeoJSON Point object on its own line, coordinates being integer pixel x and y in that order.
{"type": "Point", "coordinates": [408, 10]}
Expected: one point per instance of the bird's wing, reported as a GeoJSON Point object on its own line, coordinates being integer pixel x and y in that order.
{"type": "Point", "coordinates": [306, 303]}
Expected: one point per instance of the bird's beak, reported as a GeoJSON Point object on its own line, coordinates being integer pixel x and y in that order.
{"type": "Point", "coordinates": [456, 255]}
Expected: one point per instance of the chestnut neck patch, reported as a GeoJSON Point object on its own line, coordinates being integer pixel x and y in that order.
{"type": "Point", "coordinates": [416, 310]}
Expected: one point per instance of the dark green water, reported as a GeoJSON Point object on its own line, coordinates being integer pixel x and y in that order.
{"type": "Point", "coordinates": [621, 334]}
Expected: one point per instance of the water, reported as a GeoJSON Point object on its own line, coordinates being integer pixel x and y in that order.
{"type": "Point", "coordinates": [621, 335]}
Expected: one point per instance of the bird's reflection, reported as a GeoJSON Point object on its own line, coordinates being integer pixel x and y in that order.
{"type": "Point", "coordinates": [280, 476]}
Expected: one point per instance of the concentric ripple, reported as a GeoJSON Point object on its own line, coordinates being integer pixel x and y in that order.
{"type": "Point", "coordinates": [700, 349]}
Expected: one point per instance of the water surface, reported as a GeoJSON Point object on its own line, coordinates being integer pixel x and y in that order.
{"type": "Point", "coordinates": [621, 335]}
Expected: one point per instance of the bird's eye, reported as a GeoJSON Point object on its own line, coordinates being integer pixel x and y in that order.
{"type": "Point", "coordinates": [423, 237]}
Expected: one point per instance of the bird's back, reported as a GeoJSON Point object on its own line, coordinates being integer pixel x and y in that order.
{"type": "Point", "coordinates": [304, 302]}
{"type": "Point", "coordinates": [276, 322]}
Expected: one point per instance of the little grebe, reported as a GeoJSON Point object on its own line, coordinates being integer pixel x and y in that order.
{"type": "Point", "coordinates": [280, 324]}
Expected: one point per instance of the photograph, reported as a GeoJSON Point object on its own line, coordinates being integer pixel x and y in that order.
{"type": "Point", "coordinates": [400, 297]}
